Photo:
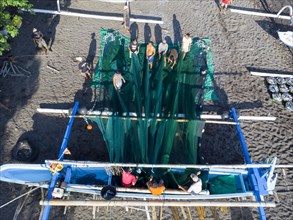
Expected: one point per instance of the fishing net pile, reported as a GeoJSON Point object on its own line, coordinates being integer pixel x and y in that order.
{"type": "Point", "coordinates": [155, 116]}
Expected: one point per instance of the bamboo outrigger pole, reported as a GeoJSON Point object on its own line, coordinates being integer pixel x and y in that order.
{"type": "Point", "coordinates": [133, 114]}
{"type": "Point", "coordinates": [101, 17]}
{"type": "Point", "coordinates": [168, 203]}
{"type": "Point", "coordinates": [195, 166]}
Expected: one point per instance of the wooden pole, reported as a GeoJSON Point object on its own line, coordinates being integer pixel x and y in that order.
{"type": "Point", "coordinates": [147, 203]}
{"type": "Point", "coordinates": [175, 213]}
{"type": "Point", "coordinates": [183, 212]}
{"type": "Point", "coordinates": [216, 166]}
{"type": "Point", "coordinates": [189, 213]}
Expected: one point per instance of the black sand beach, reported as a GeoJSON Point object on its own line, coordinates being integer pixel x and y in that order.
{"type": "Point", "coordinates": [239, 43]}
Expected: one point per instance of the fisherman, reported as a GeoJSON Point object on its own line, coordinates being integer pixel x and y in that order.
{"type": "Point", "coordinates": [128, 179]}
{"type": "Point", "coordinates": [39, 40]}
{"type": "Point", "coordinates": [84, 68]}
{"type": "Point", "coordinates": [118, 80]}
{"type": "Point", "coordinates": [133, 47]}
{"type": "Point", "coordinates": [173, 56]}
{"type": "Point", "coordinates": [163, 49]}
{"type": "Point", "coordinates": [150, 53]}
{"type": "Point", "coordinates": [186, 44]}
{"type": "Point", "coordinates": [126, 17]}
{"type": "Point", "coordinates": [156, 188]}
{"type": "Point", "coordinates": [196, 187]}
{"type": "Point", "coordinates": [224, 5]}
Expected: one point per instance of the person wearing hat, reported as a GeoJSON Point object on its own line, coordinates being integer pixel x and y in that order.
{"type": "Point", "coordinates": [196, 187]}
{"type": "Point", "coordinates": [163, 49]}
{"type": "Point", "coordinates": [156, 188]}
{"type": "Point", "coordinates": [39, 40]}
{"type": "Point", "coordinates": [84, 68]}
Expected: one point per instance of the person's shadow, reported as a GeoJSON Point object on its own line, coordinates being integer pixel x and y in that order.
{"type": "Point", "coordinates": [134, 30]}
{"type": "Point", "coordinates": [177, 30]}
{"type": "Point", "coordinates": [84, 95]}
{"type": "Point", "coordinates": [52, 31]}
{"type": "Point", "coordinates": [92, 51]}
{"type": "Point", "coordinates": [168, 40]}
{"type": "Point", "coordinates": [158, 34]}
{"type": "Point", "coordinates": [147, 33]}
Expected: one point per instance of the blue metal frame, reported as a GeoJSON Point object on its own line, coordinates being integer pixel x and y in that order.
{"type": "Point", "coordinates": [55, 177]}
{"type": "Point", "coordinates": [259, 184]}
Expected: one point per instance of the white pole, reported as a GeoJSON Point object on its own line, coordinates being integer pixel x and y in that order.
{"type": "Point", "coordinates": [95, 16]}
{"type": "Point", "coordinates": [58, 5]}
{"type": "Point", "coordinates": [203, 116]}
{"type": "Point", "coordinates": [260, 14]}
{"type": "Point", "coordinates": [168, 203]}
{"type": "Point", "coordinates": [271, 74]}
{"type": "Point", "coordinates": [167, 166]}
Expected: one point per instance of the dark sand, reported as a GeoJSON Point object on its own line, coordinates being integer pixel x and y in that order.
{"type": "Point", "coordinates": [239, 42]}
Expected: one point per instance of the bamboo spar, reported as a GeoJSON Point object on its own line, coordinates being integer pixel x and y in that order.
{"type": "Point", "coordinates": [218, 166]}
{"type": "Point", "coordinates": [137, 203]}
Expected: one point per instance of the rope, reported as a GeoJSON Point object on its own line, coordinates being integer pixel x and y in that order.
{"type": "Point", "coordinates": [18, 197]}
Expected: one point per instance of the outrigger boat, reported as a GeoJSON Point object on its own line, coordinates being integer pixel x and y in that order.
{"type": "Point", "coordinates": [162, 128]}
{"type": "Point", "coordinates": [224, 181]}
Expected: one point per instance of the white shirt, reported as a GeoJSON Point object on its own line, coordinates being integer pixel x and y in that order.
{"type": "Point", "coordinates": [118, 80]}
{"type": "Point", "coordinates": [196, 187]}
{"type": "Point", "coordinates": [163, 48]}
{"type": "Point", "coordinates": [186, 43]}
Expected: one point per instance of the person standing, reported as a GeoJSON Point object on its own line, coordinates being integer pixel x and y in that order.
{"type": "Point", "coordinates": [163, 49]}
{"type": "Point", "coordinates": [186, 44]}
{"type": "Point", "coordinates": [118, 80]}
{"type": "Point", "coordinates": [224, 5]}
{"type": "Point", "coordinates": [150, 53]}
{"type": "Point", "coordinates": [133, 47]}
{"type": "Point", "coordinates": [39, 40]}
{"type": "Point", "coordinates": [84, 68]}
{"type": "Point", "coordinates": [126, 17]}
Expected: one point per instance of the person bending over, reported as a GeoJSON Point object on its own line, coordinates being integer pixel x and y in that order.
{"type": "Point", "coordinates": [156, 188]}
{"type": "Point", "coordinates": [173, 56]}
{"type": "Point", "coordinates": [128, 179]}
{"type": "Point", "coordinates": [196, 187]}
